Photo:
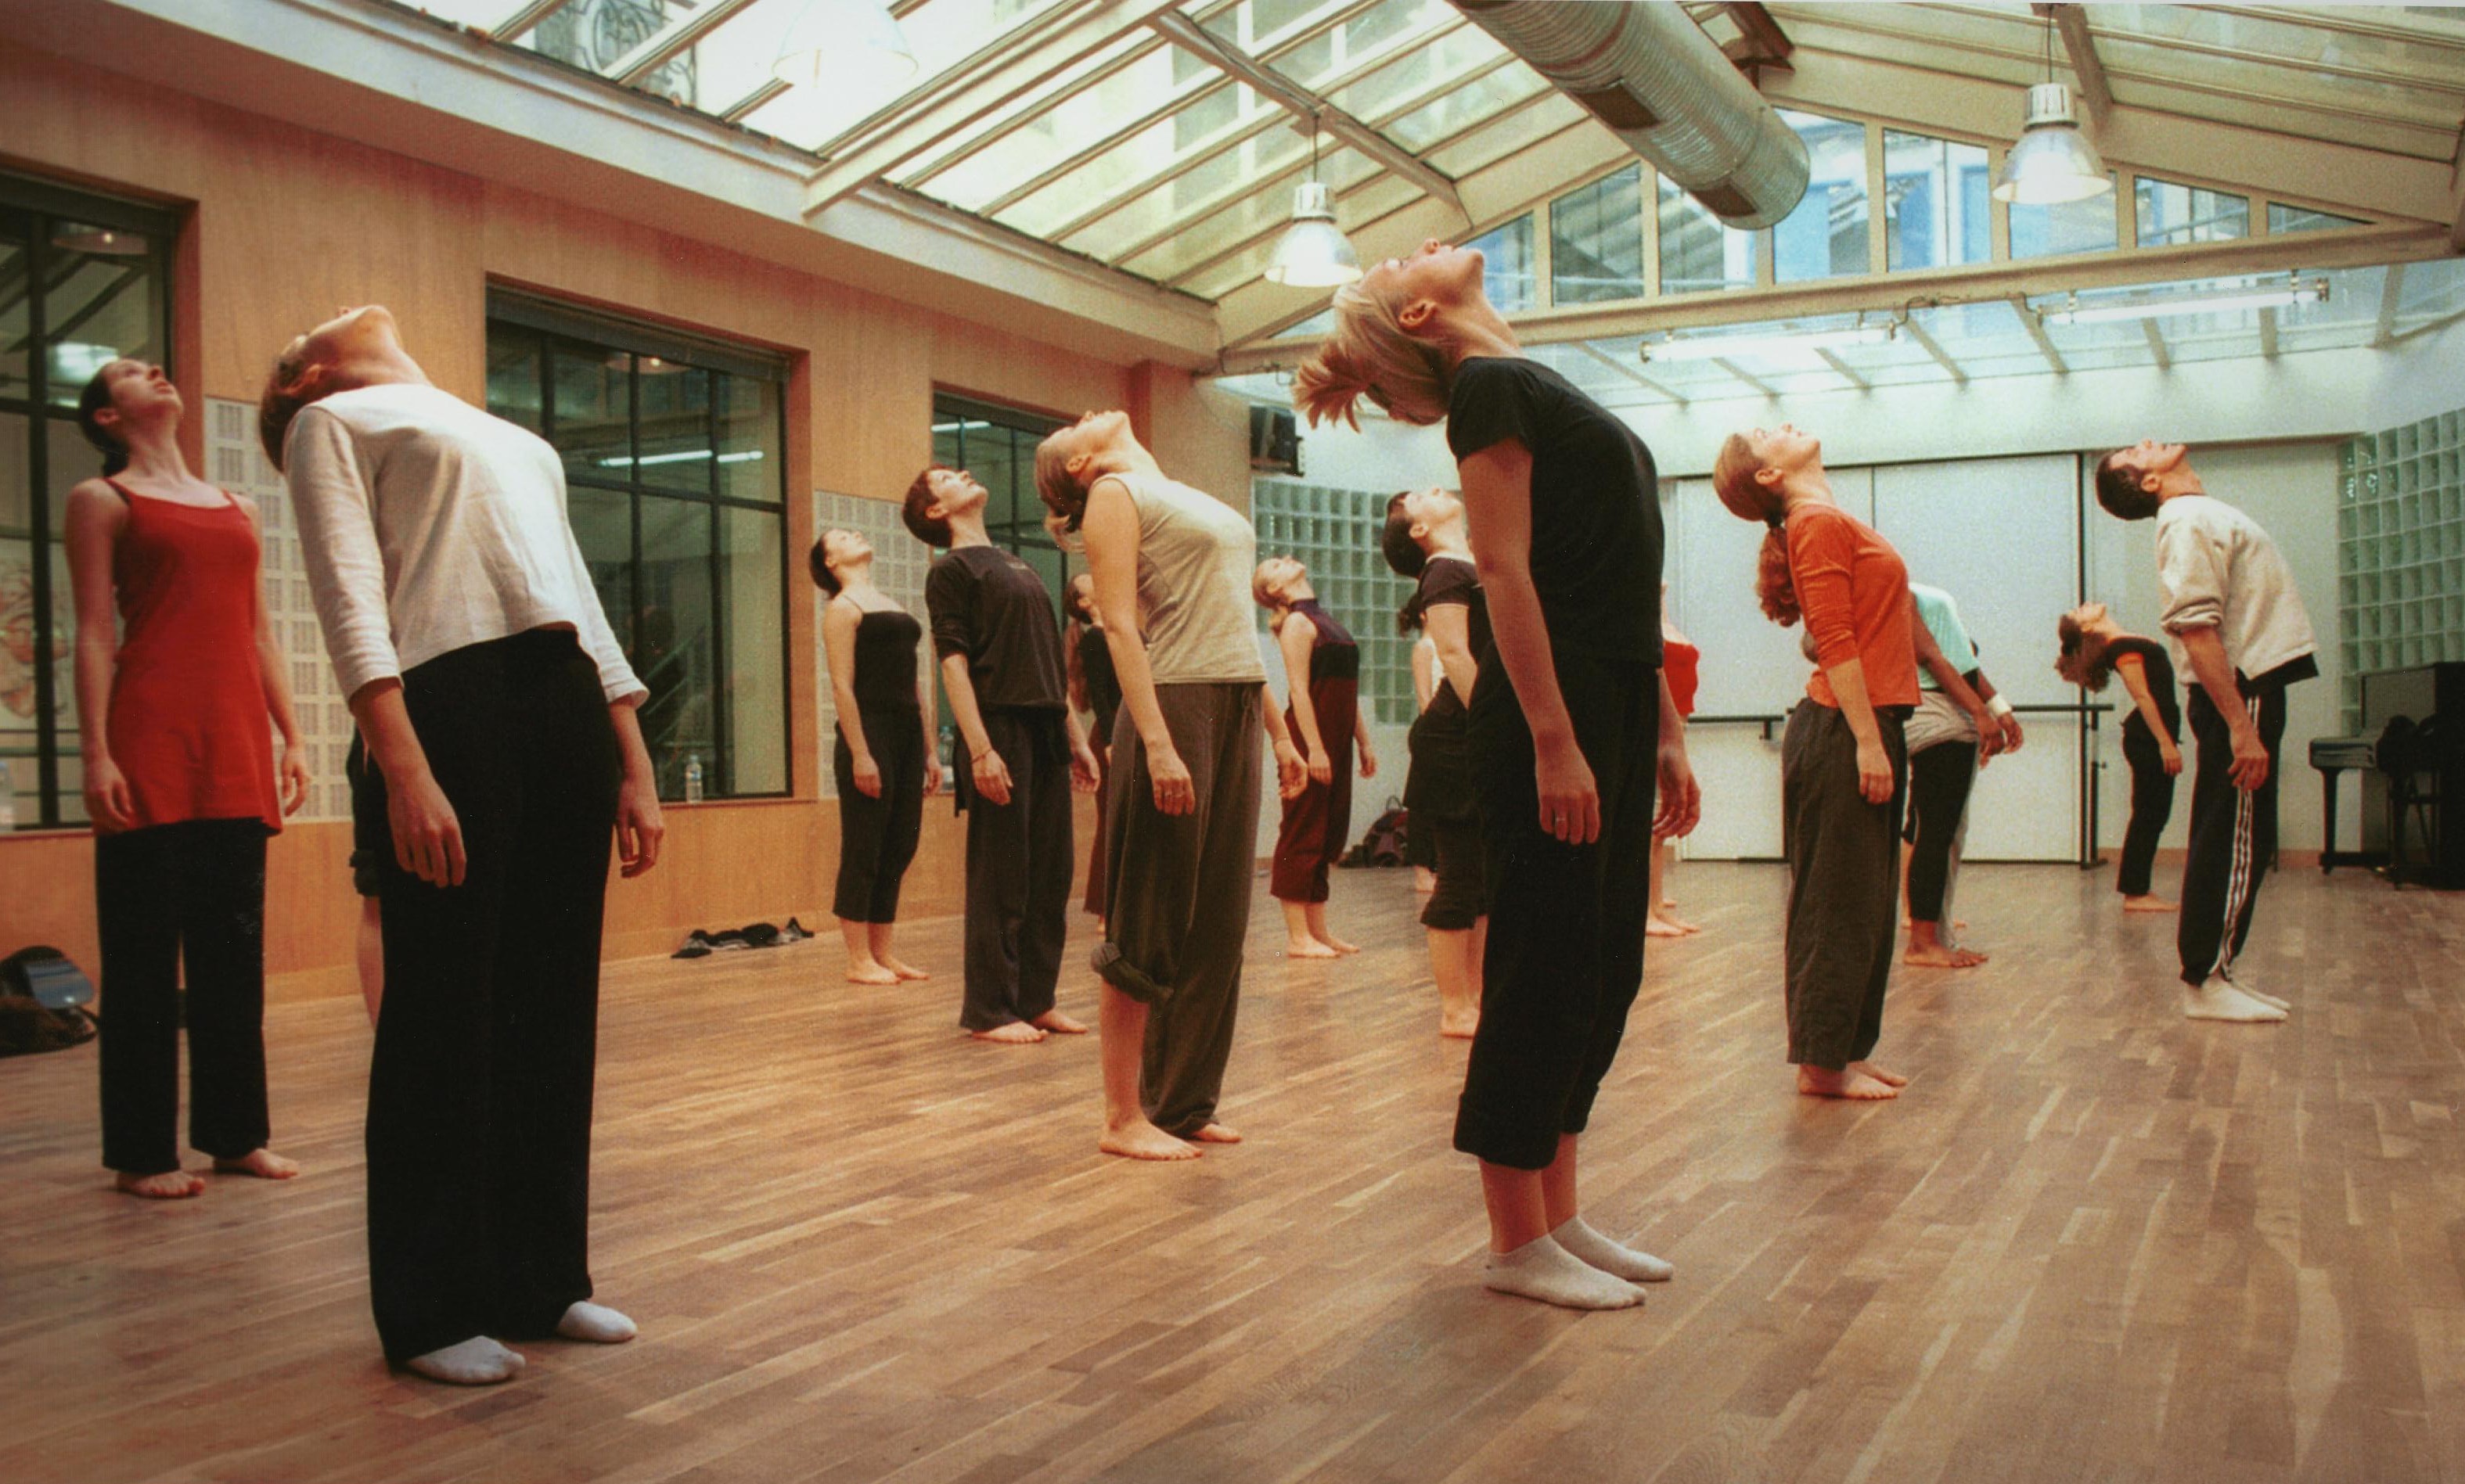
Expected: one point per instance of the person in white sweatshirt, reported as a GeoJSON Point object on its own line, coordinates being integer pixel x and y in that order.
{"type": "Point", "coordinates": [2237, 626]}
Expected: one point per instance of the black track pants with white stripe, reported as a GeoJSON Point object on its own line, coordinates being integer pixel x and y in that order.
{"type": "Point", "coordinates": [2234, 834]}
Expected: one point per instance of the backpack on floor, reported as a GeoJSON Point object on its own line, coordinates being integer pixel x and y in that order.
{"type": "Point", "coordinates": [41, 995]}
{"type": "Point", "coordinates": [1382, 844]}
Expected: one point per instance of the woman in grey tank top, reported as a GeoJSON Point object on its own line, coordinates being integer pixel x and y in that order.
{"type": "Point", "coordinates": [1171, 569]}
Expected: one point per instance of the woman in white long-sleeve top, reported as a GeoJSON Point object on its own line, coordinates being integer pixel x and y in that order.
{"type": "Point", "coordinates": [498, 715]}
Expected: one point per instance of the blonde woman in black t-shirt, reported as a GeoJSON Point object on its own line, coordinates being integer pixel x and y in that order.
{"type": "Point", "coordinates": [1571, 734]}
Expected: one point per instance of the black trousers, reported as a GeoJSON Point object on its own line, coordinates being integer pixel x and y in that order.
{"type": "Point", "coordinates": [2152, 804]}
{"type": "Point", "coordinates": [878, 835]}
{"type": "Point", "coordinates": [1565, 958]}
{"type": "Point", "coordinates": [193, 892]}
{"type": "Point", "coordinates": [1940, 780]}
{"type": "Point", "coordinates": [2234, 834]}
{"type": "Point", "coordinates": [1461, 896]}
{"type": "Point", "coordinates": [1019, 861]}
{"type": "Point", "coordinates": [478, 1134]}
{"type": "Point", "coordinates": [1844, 885]}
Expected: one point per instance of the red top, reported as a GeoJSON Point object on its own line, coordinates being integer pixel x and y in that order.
{"type": "Point", "coordinates": [1854, 593]}
{"type": "Point", "coordinates": [189, 726]}
{"type": "Point", "coordinates": [1680, 664]}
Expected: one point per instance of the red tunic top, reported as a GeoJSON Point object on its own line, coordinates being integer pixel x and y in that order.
{"type": "Point", "coordinates": [1854, 594]}
{"type": "Point", "coordinates": [189, 726]}
{"type": "Point", "coordinates": [1680, 664]}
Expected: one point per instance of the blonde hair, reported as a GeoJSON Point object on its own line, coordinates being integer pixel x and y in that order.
{"type": "Point", "coordinates": [1371, 355]}
{"type": "Point", "coordinates": [1062, 495]}
{"type": "Point", "coordinates": [1733, 479]}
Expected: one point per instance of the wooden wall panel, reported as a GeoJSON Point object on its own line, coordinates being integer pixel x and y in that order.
{"type": "Point", "coordinates": [289, 224]}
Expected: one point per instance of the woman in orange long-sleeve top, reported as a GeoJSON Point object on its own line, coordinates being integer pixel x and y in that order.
{"type": "Point", "coordinates": [1843, 762]}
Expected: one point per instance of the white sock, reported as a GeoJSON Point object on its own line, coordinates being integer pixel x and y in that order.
{"type": "Point", "coordinates": [2255, 991]}
{"type": "Point", "coordinates": [1580, 1239]}
{"type": "Point", "coordinates": [596, 1323]}
{"type": "Point", "coordinates": [2218, 1000]}
{"type": "Point", "coordinates": [1543, 1270]}
{"type": "Point", "coordinates": [476, 1361]}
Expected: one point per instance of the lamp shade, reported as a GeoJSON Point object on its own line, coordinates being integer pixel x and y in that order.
{"type": "Point", "coordinates": [839, 42]}
{"type": "Point", "coordinates": [1313, 252]}
{"type": "Point", "coordinates": [2051, 162]}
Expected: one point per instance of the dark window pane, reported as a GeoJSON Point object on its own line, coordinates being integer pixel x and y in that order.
{"type": "Point", "coordinates": [20, 641]}
{"type": "Point", "coordinates": [16, 260]}
{"type": "Point", "coordinates": [513, 375]}
{"type": "Point", "coordinates": [674, 434]}
{"type": "Point", "coordinates": [16, 477]}
{"type": "Point", "coordinates": [96, 308]}
{"type": "Point", "coordinates": [594, 413]}
{"type": "Point", "coordinates": [673, 653]}
{"type": "Point", "coordinates": [992, 457]}
{"type": "Point", "coordinates": [749, 456]}
{"type": "Point", "coordinates": [603, 526]}
{"type": "Point", "coordinates": [752, 546]}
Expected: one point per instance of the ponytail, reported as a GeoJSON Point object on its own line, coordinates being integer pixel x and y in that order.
{"type": "Point", "coordinates": [1733, 479]}
{"type": "Point", "coordinates": [94, 399]}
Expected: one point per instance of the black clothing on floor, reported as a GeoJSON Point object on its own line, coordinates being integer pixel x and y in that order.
{"type": "Point", "coordinates": [1844, 884]}
{"type": "Point", "coordinates": [1565, 957]}
{"type": "Point", "coordinates": [1596, 528]}
{"type": "Point", "coordinates": [991, 607]}
{"type": "Point", "coordinates": [479, 1093]}
{"type": "Point", "coordinates": [189, 893]}
{"type": "Point", "coordinates": [1020, 856]}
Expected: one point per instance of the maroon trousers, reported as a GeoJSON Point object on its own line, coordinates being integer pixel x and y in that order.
{"type": "Point", "coordinates": [1316, 824]}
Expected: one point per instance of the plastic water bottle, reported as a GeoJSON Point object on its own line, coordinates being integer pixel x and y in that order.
{"type": "Point", "coordinates": [693, 779]}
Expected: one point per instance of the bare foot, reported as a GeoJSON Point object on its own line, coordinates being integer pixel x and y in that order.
{"type": "Point", "coordinates": [1882, 1074]}
{"type": "Point", "coordinates": [263, 1163]}
{"type": "Point", "coordinates": [905, 970]}
{"type": "Point", "coordinates": [1217, 1134]}
{"type": "Point", "coordinates": [1341, 946]}
{"type": "Point", "coordinates": [871, 973]}
{"type": "Point", "coordinates": [2149, 905]}
{"type": "Point", "coordinates": [1058, 1024]}
{"type": "Point", "coordinates": [1307, 948]}
{"type": "Point", "coordinates": [1017, 1033]}
{"type": "Point", "coordinates": [1424, 881]}
{"type": "Point", "coordinates": [1667, 902]}
{"type": "Point", "coordinates": [1458, 1027]}
{"type": "Point", "coordinates": [1144, 1140]}
{"type": "Point", "coordinates": [1848, 1082]}
{"type": "Point", "coordinates": [176, 1185]}
{"type": "Point", "coordinates": [1937, 956]}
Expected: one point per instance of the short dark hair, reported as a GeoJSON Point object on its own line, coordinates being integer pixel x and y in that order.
{"type": "Point", "coordinates": [921, 524]}
{"type": "Point", "coordinates": [277, 405]}
{"type": "Point", "coordinates": [2119, 491]}
{"type": "Point", "coordinates": [94, 399]}
{"type": "Point", "coordinates": [1395, 540]}
{"type": "Point", "coordinates": [819, 562]}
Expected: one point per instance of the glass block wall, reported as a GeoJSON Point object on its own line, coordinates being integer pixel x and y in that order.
{"type": "Point", "coordinates": [2401, 550]}
{"type": "Point", "coordinates": [1335, 533]}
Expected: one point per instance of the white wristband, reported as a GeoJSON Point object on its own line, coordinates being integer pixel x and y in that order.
{"type": "Point", "coordinates": [1998, 707]}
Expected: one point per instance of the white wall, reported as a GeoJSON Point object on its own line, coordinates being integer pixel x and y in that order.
{"type": "Point", "coordinates": [2265, 437]}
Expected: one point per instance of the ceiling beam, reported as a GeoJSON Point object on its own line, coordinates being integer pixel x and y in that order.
{"type": "Point", "coordinates": [1760, 43]}
{"type": "Point", "coordinates": [1746, 376]}
{"type": "Point", "coordinates": [2391, 290]}
{"type": "Point", "coordinates": [2268, 334]}
{"type": "Point", "coordinates": [1496, 192]}
{"type": "Point", "coordinates": [1632, 373]}
{"type": "Point", "coordinates": [2348, 179]}
{"type": "Point", "coordinates": [2070, 22]}
{"type": "Point", "coordinates": [2157, 344]}
{"type": "Point", "coordinates": [1303, 103]}
{"type": "Point", "coordinates": [1934, 347]}
{"type": "Point", "coordinates": [936, 114]}
{"type": "Point", "coordinates": [2027, 319]}
{"type": "Point", "coordinates": [1831, 359]}
{"type": "Point", "coordinates": [637, 66]}
{"type": "Point", "coordinates": [523, 22]}
{"type": "Point", "coordinates": [769, 88]}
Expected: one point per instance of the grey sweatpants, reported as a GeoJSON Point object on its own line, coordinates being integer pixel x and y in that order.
{"type": "Point", "coordinates": [1177, 899]}
{"type": "Point", "coordinates": [1844, 885]}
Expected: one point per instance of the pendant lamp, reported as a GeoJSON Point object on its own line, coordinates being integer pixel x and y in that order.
{"type": "Point", "coordinates": [2052, 162]}
{"type": "Point", "coordinates": [1313, 252]}
{"type": "Point", "coordinates": [840, 42]}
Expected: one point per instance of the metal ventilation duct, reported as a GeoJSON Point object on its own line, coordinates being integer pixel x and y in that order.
{"type": "Point", "coordinates": [1653, 75]}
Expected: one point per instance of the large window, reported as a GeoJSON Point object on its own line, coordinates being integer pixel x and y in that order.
{"type": "Point", "coordinates": [1697, 252]}
{"type": "Point", "coordinates": [997, 445]}
{"type": "Point", "coordinates": [1825, 235]}
{"type": "Point", "coordinates": [1937, 202]}
{"type": "Point", "coordinates": [1596, 240]}
{"type": "Point", "coordinates": [1507, 271]}
{"type": "Point", "coordinates": [675, 465]}
{"type": "Point", "coordinates": [84, 281]}
{"type": "Point", "coordinates": [2170, 214]}
{"type": "Point", "coordinates": [2074, 227]}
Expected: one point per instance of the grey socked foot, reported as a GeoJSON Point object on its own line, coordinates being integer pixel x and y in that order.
{"type": "Point", "coordinates": [1543, 1270]}
{"type": "Point", "coordinates": [476, 1361]}
{"type": "Point", "coordinates": [596, 1324]}
{"type": "Point", "coordinates": [1596, 1249]}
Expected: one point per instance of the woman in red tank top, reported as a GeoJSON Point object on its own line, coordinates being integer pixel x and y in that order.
{"type": "Point", "coordinates": [178, 713]}
{"type": "Point", "coordinates": [1680, 664]}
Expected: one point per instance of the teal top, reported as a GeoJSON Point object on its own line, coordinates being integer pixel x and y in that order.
{"type": "Point", "coordinates": [1941, 618]}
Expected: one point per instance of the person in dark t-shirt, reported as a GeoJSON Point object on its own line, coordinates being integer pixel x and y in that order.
{"type": "Point", "coordinates": [1571, 734]}
{"type": "Point", "coordinates": [2095, 648]}
{"type": "Point", "coordinates": [999, 644]}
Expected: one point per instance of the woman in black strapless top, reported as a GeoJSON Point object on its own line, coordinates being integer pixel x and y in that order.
{"type": "Point", "coordinates": [1096, 690]}
{"type": "Point", "coordinates": [881, 763]}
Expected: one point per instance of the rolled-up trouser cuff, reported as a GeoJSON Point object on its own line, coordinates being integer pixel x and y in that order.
{"type": "Point", "coordinates": [1128, 978]}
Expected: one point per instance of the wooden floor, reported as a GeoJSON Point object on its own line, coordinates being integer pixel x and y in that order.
{"type": "Point", "coordinates": [2092, 1242]}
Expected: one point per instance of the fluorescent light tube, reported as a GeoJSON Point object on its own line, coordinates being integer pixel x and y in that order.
{"type": "Point", "coordinates": [1708, 347]}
